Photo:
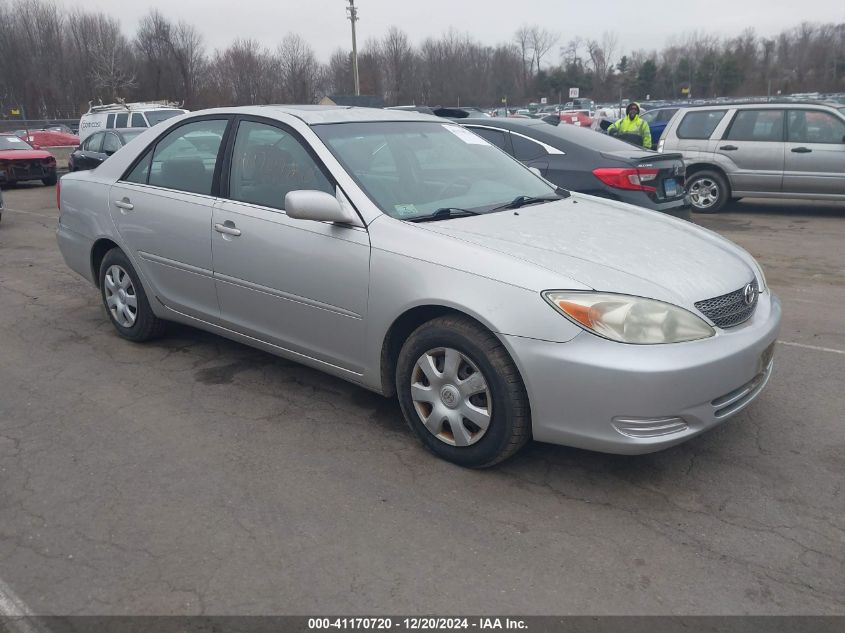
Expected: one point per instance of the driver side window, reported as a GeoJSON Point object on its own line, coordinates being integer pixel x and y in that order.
{"type": "Point", "coordinates": [268, 162]}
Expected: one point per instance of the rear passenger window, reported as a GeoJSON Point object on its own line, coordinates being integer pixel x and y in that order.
{"type": "Point", "coordinates": [756, 125]}
{"type": "Point", "coordinates": [815, 126]}
{"type": "Point", "coordinates": [496, 137]}
{"type": "Point", "coordinates": [110, 121]}
{"type": "Point", "coordinates": [523, 149]}
{"type": "Point", "coordinates": [185, 159]}
{"type": "Point", "coordinates": [700, 125]}
{"type": "Point", "coordinates": [268, 162]}
{"type": "Point", "coordinates": [94, 142]}
{"type": "Point", "coordinates": [138, 120]}
{"type": "Point", "coordinates": [121, 119]}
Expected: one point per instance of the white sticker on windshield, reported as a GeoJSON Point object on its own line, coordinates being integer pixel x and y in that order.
{"type": "Point", "coordinates": [14, 139]}
{"type": "Point", "coordinates": [465, 135]}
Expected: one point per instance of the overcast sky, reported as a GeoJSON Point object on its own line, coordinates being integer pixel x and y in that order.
{"type": "Point", "coordinates": [647, 24]}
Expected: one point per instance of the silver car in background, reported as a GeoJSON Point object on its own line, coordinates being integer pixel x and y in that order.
{"type": "Point", "coordinates": [408, 255]}
{"type": "Point", "coordinates": [768, 150]}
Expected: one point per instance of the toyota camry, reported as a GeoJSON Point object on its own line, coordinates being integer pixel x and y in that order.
{"type": "Point", "coordinates": [410, 256]}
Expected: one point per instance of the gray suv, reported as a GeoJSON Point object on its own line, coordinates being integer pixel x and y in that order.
{"type": "Point", "coordinates": [783, 150]}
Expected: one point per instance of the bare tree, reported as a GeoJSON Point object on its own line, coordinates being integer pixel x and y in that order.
{"type": "Point", "coordinates": [541, 41]}
{"type": "Point", "coordinates": [523, 40]}
{"type": "Point", "coordinates": [300, 69]}
{"type": "Point", "coordinates": [399, 66]}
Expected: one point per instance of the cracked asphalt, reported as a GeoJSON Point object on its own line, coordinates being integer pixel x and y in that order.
{"type": "Point", "coordinates": [196, 475]}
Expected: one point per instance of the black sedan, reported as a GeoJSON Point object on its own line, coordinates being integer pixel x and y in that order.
{"type": "Point", "coordinates": [587, 161]}
{"type": "Point", "coordinates": [98, 147]}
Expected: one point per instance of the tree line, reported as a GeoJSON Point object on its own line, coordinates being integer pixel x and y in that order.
{"type": "Point", "coordinates": [57, 60]}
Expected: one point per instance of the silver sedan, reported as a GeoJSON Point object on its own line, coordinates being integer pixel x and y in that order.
{"type": "Point", "coordinates": [410, 256]}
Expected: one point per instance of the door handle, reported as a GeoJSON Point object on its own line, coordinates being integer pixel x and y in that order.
{"type": "Point", "coordinates": [227, 229]}
{"type": "Point", "coordinates": [729, 148]}
{"type": "Point", "coordinates": [801, 150]}
{"type": "Point", "coordinates": [124, 204]}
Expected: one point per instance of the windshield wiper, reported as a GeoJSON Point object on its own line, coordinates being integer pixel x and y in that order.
{"type": "Point", "coordinates": [444, 213]}
{"type": "Point", "coordinates": [521, 201]}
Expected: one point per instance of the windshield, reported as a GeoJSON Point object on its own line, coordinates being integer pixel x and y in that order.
{"type": "Point", "coordinates": [842, 109]}
{"type": "Point", "coordinates": [13, 142]}
{"type": "Point", "coordinates": [157, 116]}
{"type": "Point", "coordinates": [412, 169]}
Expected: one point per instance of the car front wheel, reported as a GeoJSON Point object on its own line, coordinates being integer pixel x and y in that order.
{"type": "Point", "coordinates": [708, 191]}
{"type": "Point", "coordinates": [461, 393]}
{"type": "Point", "coordinates": [125, 300]}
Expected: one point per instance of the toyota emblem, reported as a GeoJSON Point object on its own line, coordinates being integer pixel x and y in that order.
{"type": "Point", "coordinates": [748, 294]}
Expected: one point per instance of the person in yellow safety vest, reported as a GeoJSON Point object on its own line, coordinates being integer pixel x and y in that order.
{"type": "Point", "coordinates": [632, 124]}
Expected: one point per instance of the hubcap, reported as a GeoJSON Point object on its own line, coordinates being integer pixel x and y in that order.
{"type": "Point", "coordinates": [121, 300]}
{"type": "Point", "coordinates": [451, 396]}
{"type": "Point", "coordinates": [704, 193]}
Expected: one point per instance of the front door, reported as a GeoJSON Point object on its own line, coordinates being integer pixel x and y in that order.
{"type": "Point", "coordinates": [163, 211]}
{"type": "Point", "coordinates": [754, 144]}
{"type": "Point", "coordinates": [298, 284]}
{"type": "Point", "coordinates": [815, 153]}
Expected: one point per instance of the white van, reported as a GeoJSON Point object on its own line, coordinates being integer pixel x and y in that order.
{"type": "Point", "coordinates": [123, 115]}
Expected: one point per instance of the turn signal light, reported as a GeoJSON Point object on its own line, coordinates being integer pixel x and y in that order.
{"type": "Point", "coordinates": [627, 178]}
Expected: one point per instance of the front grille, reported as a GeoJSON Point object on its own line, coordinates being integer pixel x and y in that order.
{"type": "Point", "coordinates": [730, 309]}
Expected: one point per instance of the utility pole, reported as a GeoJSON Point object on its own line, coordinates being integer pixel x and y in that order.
{"type": "Point", "coordinates": [352, 14]}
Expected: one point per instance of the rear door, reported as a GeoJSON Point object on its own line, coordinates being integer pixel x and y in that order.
{"type": "Point", "coordinates": [753, 145]}
{"type": "Point", "coordinates": [162, 208]}
{"type": "Point", "coordinates": [90, 154]}
{"type": "Point", "coordinates": [815, 153]}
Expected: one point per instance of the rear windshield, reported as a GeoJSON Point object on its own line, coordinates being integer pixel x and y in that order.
{"type": "Point", "coordinates": [700, 124]}
{"type": "Point", "coordinates": [157, 116]}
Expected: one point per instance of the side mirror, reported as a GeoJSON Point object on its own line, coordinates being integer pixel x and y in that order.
{"type": "Point", "coordinates": [318, 206]}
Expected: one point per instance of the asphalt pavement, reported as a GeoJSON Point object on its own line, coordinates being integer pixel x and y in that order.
{"type": "Point", "coordinates": [197, 475]}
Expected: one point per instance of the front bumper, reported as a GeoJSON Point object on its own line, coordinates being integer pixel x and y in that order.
{"type": "Point", "coordinates": [616, 398]}
{"type": "Point", "coordinates": [22, 172]}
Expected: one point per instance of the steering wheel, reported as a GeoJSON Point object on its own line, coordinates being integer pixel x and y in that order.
{"type": "Point", "coordinates": [460, 181]}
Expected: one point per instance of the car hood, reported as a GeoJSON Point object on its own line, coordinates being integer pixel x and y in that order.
{"type": "Point", "coordinates": [611, 247]}
{"type": "Point", "coordinates": [24, 154]}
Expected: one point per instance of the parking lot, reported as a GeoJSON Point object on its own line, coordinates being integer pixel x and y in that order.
{"type": "Point", "coordinates": [197, 475]}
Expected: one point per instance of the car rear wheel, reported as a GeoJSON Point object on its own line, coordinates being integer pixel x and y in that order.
{"type": "Point", "coordinates": [125, 300]}
{"type": "Point", "coordinates": [461, 393]}
{"type": "Point", "coordinates": [708, 191]}
{"type": "Point", "coordinates": [49, 181]}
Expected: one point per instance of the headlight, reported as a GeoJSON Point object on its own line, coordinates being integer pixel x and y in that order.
{"type": "Point", "coordinates": [628, 319]}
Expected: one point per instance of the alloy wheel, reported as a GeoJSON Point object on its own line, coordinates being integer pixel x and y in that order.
{"type": "Point", "coordinates": [704, 193]}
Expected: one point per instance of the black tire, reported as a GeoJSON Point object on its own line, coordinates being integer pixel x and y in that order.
{"type": "Point", "coordinates": [49, 181]}
{"type": "Point", "coordinates": [147, 325]}
{"type": "Point", "coordinates": [510, 422]}
{"type": "Point", "coordinates": [723, 191]}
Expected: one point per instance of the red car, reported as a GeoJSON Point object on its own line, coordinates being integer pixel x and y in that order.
{"type": "Point", "coordinates": [576, 117]}
{"type": "Point", "coordinates": [50, 138]}
{"type": "Point", "coordinates": [19, 161]}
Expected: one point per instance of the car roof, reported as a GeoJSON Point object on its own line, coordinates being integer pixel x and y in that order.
{"type": "Point", "coordinates": [757, 105]}
{"type": "Point", "coordinates": [317, 114]}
